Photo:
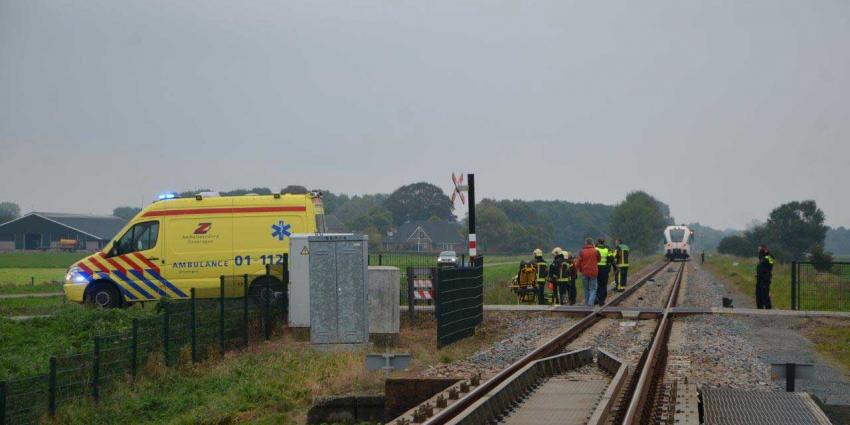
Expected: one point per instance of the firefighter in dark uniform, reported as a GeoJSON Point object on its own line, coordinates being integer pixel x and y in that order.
{"type": "Point", "coordinates": [604, 267]}
{"type": "Point", "coordinates": [542, 275]}
{"type": "Point", "coordinates": [560, 276]}
{"type": "Point", "coordinates": [764, 274]}
{"type": "Point", "coordinates": [621, 264]}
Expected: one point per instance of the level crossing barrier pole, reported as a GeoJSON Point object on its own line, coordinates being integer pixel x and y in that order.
{"type": "Point", "coordinates": [95, 380]}
{"type": "Point", "coordinates": [194, 319]}
{"type": "Point", "coordinates": [51, 390]}
{"type": "Point", "coordinates": [221, 315]}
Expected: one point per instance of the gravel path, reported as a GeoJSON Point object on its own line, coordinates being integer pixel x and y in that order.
{"type": "Point", "coordinates": [727, 351]}
{"type": "Point", "coordinates": [655, 291]}
{"type": "Point", "coordinates": [527, 333]}
{"type": "Point", "coordinates": [625, 339]}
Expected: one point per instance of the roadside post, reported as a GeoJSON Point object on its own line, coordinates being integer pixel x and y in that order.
{"type": "Point", "coordinates": [460, 188]}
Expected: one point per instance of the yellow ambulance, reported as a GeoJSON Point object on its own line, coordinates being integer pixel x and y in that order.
{"type": "Point", "coordinates": [176, 244]}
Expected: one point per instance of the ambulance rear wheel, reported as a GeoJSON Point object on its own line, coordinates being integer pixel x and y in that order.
{"type": "Point", "coordinates": [104, 295]}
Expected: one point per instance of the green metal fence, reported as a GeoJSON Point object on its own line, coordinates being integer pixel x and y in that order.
{"type": "Point", "coordinates": [459, 303]}
{"type": "Point", "coordinates": [212, 320]}
{"type": "Point", "coordinates": [820, 286]}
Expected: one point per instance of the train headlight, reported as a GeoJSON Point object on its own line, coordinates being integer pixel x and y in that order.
{"type": "Point", "coordinates": [74, 275]}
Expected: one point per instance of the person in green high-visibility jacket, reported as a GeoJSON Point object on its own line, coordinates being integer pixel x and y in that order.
{"type": "Point", "coordinates": [764, 274]}
{"type": "Point", "coordinates": [621, 264]}
{"type": "Point", "coordinates": [542, 275]}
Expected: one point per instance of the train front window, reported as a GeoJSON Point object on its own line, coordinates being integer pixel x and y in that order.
{"type": "Point", "coordinates": [677, 235]}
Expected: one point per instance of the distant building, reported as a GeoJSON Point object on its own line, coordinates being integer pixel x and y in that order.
{"type": "Point", "coordinates": [42, 231]}
{"type": "Point", "coordinates": [426, 236]}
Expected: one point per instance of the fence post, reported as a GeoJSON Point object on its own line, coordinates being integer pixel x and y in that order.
{"type": "Point", "coordinates": [95, 380]}
{"type": "Point", "coordinates": [411, 298]}
{"type": "Point", "coordinates": [380, 259]}
{"type": "Point", "coordinates": [3, 402]}
{"type": "Point", "coordinates": [51, 390]}
{"type": "Point", "coordinates": [32, 280]}
{"type": "Point", "coordinates": [194, 325]}
{"type": "Point", "coordinates": [245, 310]}
{"type": "Point", "coordinates": [221, 315]}
{"type": "Point", "coordinates": [165, 318]}
{"type": "Point", "coordinates": [134, 347]}
{"type": "Point", "coordinates": [795, 290]}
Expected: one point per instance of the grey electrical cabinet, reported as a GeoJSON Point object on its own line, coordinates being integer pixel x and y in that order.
{"type": "Point", "coordinates": [334, 292]}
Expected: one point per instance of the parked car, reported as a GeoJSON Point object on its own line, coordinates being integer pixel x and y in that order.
{"type": "Point", "coordinates": [447, 259]}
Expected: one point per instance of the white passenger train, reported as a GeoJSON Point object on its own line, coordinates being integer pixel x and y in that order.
{"type": "Point", "coordinates": [679, 243]}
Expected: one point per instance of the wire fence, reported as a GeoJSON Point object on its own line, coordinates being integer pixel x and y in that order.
{"type": "Point", "coordinates": [212, 321]}
{"type": "Point", "coordinates": [820, 286]}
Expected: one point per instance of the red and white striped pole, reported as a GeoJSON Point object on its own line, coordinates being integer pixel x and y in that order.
{"type": "Point", "coordinates": [472, 244]}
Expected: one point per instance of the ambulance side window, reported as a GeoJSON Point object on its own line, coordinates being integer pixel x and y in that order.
{"type": "Point", "coordinates": [140, 237]}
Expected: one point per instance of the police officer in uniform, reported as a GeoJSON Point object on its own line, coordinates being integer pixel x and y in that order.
{"type": "Point", "coordinates": [764, 274]}
{"type": "Point", "coordinates": [542, 275]}
{"type": "Point", "coordinates": [621, 264]}
{"type": "Point", "coordinates": [604, 267]}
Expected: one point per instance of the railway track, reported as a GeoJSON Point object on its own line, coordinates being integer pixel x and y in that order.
{"type": "Point", "coordinates": [560, 382]}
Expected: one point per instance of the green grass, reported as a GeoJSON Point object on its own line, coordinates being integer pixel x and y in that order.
{"type": "Point", "coordinates": [40, 260]}
{"type": "Point", "coordinates": [30, 306]}
{"type": "Point", "coordinates": [832, 341]}
{"type": "Point", "coordinates": [26, 346]}
{"type": "Point", "coordinates": [741, 272]}
{"type": "Point", "coordinates": [22, 280]}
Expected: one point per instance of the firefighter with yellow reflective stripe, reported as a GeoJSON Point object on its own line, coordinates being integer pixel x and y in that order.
{"type": "Point", "coordinates": [764, 274]}
{"type": "Point", "coordinates": [562, 274]}
{"type": "Point", "coordinates": [621, 264]}
{"type": "Point", "coordinates": [604, 267]}
{"type": "Point", "coordinates": [542, 275]}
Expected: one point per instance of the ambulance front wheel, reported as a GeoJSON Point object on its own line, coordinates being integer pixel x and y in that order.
{"type": "Point", "coordinates": [104, 295]}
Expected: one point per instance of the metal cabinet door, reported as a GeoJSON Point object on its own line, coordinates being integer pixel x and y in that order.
{"type": "Point", "coordinates": [352, 292]}
{"type": "Point", "coordinates": [323, 293]}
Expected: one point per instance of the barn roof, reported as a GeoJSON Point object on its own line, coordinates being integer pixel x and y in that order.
{"type": "Point", "coordinates": [103, 227]}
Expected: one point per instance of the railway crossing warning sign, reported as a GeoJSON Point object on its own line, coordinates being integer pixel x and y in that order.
{"type": "Point", "coordinates": [458, 191]}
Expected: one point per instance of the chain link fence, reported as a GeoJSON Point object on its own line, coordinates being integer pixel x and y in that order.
{"type": "Point", "coordinates": [210, 322]}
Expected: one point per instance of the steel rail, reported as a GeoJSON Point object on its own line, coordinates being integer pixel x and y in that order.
{"type": "Point", "coordinates": [549, 348]}
{"type": "Point", "coordinates": [652, 363]}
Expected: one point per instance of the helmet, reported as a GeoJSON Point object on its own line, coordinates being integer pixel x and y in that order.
{"type": "Point", "coordinates": [566, 254]}
{"type": "Point", "coordinates": [538, 252]}
{"type": "Point", "coordinates": [557, 251]}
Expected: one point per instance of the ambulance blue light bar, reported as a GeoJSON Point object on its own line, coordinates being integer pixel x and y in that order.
{"type": "Point", "coordinates": [167, 195]}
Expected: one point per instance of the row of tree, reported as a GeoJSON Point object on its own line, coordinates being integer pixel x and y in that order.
{"type": "Point", "coordinates": [793, 231]}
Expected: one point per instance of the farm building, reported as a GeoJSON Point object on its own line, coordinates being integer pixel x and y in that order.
{"type": "Point", "coordinates": [426, 236]}
{"type": "Point", "coordinates": [42, 231]}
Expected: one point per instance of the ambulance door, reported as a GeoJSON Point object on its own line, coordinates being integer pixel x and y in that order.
{"type": "Point", "coordinates": [136, 259]}
{"type": "Point", "coordinates": [199, 251]}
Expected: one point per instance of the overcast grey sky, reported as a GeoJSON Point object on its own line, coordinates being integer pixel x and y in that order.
{"type": "Point", "coordinates": [722, 109]}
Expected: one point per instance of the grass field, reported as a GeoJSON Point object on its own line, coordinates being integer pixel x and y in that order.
{"type": "Point", "coordinates": [26, 346]}
{"type": "Point", "coordinates": [40, 260]}
{"type": "Point", "coordinates": [23, 280]}
{"type": "Point", "coordinates": [30, 306]}
{"type": "Point", "coordinates": [741, 272]}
